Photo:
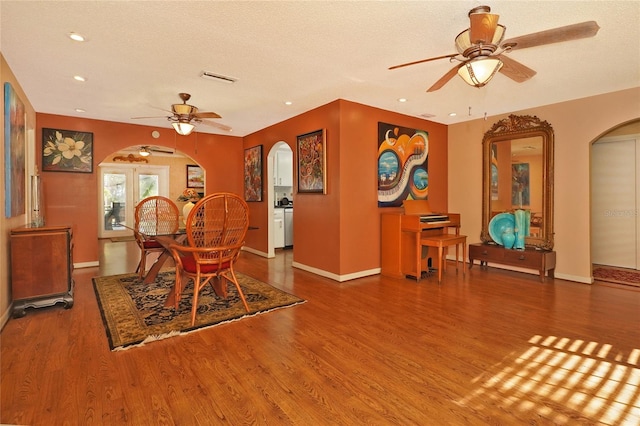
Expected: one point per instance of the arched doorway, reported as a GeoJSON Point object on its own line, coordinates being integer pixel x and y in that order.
{"type": "Point", "coordinates": [280, 197]}
{"type": "Point", "coordinates": [126, 177]}
{"type": "Point", "coordinates": [615, 193]}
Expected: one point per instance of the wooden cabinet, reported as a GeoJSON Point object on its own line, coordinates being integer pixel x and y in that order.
{"type": "Point", "coordinates": [41, 267]}
{"type": "Point", "coordinates": [542, 260]}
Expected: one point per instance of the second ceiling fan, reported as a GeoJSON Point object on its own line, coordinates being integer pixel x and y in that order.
{"type": "Point", "coordinates": [183, 116]}
{"type": "Point", "coordinates": [481, 49]}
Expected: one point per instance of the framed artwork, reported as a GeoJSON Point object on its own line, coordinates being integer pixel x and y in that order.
{"type": "Point", "coordinates": [520, 184]}
{"type": "Point", "coordinates": [253, 173]}
{"type": "Point", "coordinates": [195, 176]}
{"type": "Point", "coordinates": [312, 162]}
{"type": "Point", "coordinates": [67, 151]}
{"type": "Point", "coordinates": [403, 172]}
{"type": "Point", "coordinates": [14, 152]}
{"type": "Point", "coordinates": [494, 172]}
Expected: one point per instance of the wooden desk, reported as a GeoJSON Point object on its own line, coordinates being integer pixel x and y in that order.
{"type": "Point", "coordinates": [402, 252]}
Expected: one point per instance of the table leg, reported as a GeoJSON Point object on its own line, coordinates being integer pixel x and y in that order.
{"type": "Point", "coordinates": [155, 268]}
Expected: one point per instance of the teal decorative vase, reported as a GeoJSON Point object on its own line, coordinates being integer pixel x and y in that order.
{"type": "Point", "coordinates": [522, 218]}
{"type": "Point", "coordinates": [508, 238]}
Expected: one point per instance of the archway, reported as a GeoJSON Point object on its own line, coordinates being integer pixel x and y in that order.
{"type": "Point", "coordinates": [615, 190]}
{"type": "Point", "coordinates": [280, 191]}
{"type": "Point", "coordinates": [125, 177]}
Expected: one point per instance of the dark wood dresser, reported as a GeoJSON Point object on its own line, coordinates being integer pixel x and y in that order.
{"type": "Point", "coordinates": [542, 260]}
{"type": "Point", "coordinates": [41, 267]}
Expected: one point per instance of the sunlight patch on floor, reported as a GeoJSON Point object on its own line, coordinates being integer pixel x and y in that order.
{"type": "Point", "coordinates": [561, 379]}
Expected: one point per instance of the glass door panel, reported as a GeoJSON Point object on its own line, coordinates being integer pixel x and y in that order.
{"type": "Point", "coordinates": [123, 186]}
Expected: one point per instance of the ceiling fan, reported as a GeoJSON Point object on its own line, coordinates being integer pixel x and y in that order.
{"type": "Point", "coordinates": [481, 49]}
{"type": "Point", "coordinates": [183, 116]}
{"type": "Point", "coordinates": [146, 150]}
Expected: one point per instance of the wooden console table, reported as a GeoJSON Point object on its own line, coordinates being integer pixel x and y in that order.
{"type": "Point", "coordinates": [529, 258]}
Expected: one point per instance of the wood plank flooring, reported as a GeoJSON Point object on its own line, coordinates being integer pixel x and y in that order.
{"type": "Point", "coordinates": [494, 347]}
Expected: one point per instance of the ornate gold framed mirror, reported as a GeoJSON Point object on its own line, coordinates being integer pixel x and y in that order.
{"type": "Point", "coordinates": [517, 173]}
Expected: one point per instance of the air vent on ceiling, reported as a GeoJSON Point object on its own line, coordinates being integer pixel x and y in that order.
{"type": "Point", "coordinates": [217, 77]}
{"type": "Point", "coordinates": [427, 115]}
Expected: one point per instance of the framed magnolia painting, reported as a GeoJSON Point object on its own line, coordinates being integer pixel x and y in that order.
{"type": "Point", "coordinates": [67, 151]}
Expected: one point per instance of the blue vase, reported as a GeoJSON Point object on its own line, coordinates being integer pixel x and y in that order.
{"type": "Point", "coordinates": [522, 219]}
{"type": "Point", "coordinates": [508, 238]}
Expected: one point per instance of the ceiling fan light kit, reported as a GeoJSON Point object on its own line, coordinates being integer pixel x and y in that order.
{"type": "Point", "coordinates": [482, 51]}
{"type": "Point", "coordinates": [144, 152]}
{"type": "Point", "coordinates": [479, 71]}
{"type": "Point", "coordinates": [183, 128]}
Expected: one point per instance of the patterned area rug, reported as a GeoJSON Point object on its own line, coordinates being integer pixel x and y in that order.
{"type": "Point", "coordinates": [133, 313]}
{"type": "Point", "coordinates": [616, 275]}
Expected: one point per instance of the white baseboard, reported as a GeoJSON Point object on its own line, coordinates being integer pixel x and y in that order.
{"type": "Point", "coordinates": [254, 251]}
{"type": "Point", "coordinates": [86, 264]}
{"type": "Point", "coordinates": [336, 277]}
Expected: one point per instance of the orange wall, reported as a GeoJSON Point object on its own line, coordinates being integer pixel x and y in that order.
{"type": "Point", "coordinates": [71, 198]}
{"type": "Point", "coordinates": [339, 232]}
{"type": "Point", "coordinates": [6, 224]}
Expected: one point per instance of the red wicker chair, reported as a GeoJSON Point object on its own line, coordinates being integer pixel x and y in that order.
{"type": "Point", "coordinates": [216, 230]}
{"type": "Point", "coordinates": [153, 216]}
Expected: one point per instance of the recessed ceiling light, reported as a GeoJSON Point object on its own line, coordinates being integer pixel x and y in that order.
{"type": "Point", "coordinates": [79, 78]}
{"type": "Point", "coordinates": [452, 114]}
{"type": "Point", "coordinates": [288, 103]}
{"type": "Point", "coordinates": [76, 37]}
{"type": "Point", "coordinates": [402, 100]}
{"type": "Point", "coordinates": [80, 110]}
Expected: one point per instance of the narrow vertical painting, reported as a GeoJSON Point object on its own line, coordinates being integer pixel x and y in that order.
{"type": "Point", "coordinates": [402, 165]}
{"type": "Point", "coordinates": [312, 162]}
{"type": "Point", "coordinates": [14, 152]}
{"type": "Point", "coordinates": [494, 172]}
{"type": "Point", "coordinates": [520, 185]}
{"type": "Point", "coordinates": [253, 173]}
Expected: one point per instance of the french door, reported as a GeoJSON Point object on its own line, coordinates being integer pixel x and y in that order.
{"type": "Point", "coordinates": [121, 187]}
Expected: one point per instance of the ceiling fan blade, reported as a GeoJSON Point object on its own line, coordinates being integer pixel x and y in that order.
{"type": "Point", "coordinates": [515, 70]}
{"type": "Point", "coordinates": [161, 150]}
{"type": "Point", "coordinates": [423, 60]}
{"type": "Point", "coordinates": [483, 27]}
{"type": "Point", "coordinates": [206, 115]}
{"type": "Point", "coordinates": [218, 125]}
{"type": "Point", "coordinates": [156, 116]}
{"type": "Point", "coordinates": [444, 79]}
{"type": "Point", "coordinates": [555, 35]}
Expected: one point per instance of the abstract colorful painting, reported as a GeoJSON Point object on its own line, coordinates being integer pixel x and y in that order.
{"type": "Point", "coordinates": [253, 173]}
{"type": "Point", "coordinates": [67, 151]}
{"type": "Point", "coordinates": [14, 152]}
{"type": "Point", "coordinates": [312, 162]}
{"type": "Point", "coordinates": [403, 172]}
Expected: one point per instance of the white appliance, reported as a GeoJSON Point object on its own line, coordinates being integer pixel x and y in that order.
{"type": "Point", "coordinates": [288, 227]}
{"type": "Point", "coordinates": [278, 228]}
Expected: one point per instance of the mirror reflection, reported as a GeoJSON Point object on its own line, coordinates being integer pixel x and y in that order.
{"type": "Point", "coordinates": [518, 175]}
{"type": "Point", "coordinates": [516, 178]}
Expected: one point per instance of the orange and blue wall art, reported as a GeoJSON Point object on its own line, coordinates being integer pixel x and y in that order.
{"type": "Point", "coordinates": [403, 172]}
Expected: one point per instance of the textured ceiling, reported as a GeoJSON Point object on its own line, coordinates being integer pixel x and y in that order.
{"type": "Point", "coordinates": [141, 54]}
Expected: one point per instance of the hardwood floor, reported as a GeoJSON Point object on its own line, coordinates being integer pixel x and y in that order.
{"type": "Point", "coordinates": [494, 347]}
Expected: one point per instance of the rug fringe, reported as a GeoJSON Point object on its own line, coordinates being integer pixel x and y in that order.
{"type": "Point", "coordinates": [156, 337]}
